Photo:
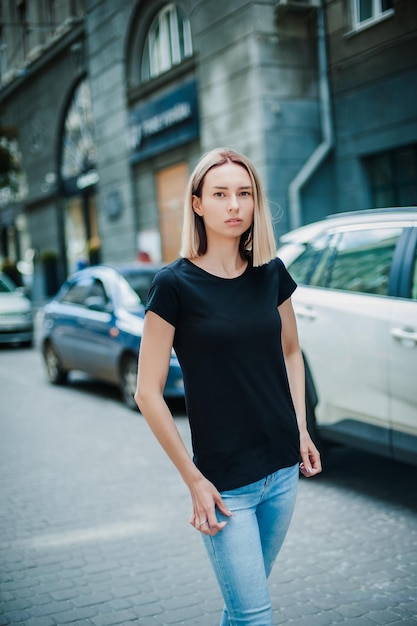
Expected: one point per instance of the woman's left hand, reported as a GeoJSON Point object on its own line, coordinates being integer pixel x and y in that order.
{"type": "Point", "coordinates": [310, 457]}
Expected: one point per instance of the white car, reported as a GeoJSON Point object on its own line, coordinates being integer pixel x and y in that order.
{"type": "Point", "coordinates": [356, 308]}
{"type": "Point", "coordinates": [16, 319]}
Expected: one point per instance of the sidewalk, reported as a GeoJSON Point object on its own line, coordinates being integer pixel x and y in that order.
{"type": "Point", "coordinates": [94, 523]}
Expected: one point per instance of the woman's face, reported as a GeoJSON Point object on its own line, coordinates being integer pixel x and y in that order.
{"type": "Point", "coordinates": [226, 203]}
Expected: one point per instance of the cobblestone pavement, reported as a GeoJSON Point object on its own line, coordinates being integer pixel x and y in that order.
{"type": "Point", "coordinates": [94, 522]}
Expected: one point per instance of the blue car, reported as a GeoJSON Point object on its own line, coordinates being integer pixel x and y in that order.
{"type": "Point", "coordinates": [94, 325]}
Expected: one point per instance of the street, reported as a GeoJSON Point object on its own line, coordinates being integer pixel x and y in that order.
{"type": "Point", "coordinates": [94, 522]}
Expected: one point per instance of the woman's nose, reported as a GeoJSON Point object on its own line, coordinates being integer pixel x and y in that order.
{"type": "Point", "coordinates": [234, 203]}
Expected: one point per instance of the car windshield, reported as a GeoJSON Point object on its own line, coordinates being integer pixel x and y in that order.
{"type": "Point", "coordinates": [140, 282]}
{"type": "Point", "coordinates": [128, 297]}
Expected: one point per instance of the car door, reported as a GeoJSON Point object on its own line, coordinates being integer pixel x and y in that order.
{"type": "Point", "coordinates": [343, 318]}
{"type": "Point", "coordinates": [82, 323]}
{"type": "Point", "coordinates": [403, 359]}
{"type": "Point", "coordinates": [97, 347]}
{"type": "Point", "coordinates": [64, 322]}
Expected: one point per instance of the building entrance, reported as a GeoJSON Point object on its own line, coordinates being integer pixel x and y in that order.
{"type": "Point", "coordinates": [171, 183]}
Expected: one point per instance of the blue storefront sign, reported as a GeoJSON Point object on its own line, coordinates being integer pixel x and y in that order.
{"type": "Point", "coordinates": [164, 123]}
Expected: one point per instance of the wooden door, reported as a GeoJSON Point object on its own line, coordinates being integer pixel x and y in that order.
{"type": "Point", "coordinates": [170, 189]}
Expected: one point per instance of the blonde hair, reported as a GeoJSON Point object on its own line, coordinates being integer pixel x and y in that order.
{"type": "Point", "coordinates": [258, 241]}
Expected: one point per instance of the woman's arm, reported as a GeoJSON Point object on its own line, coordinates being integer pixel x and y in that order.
{"type": "Point", "coordinates": [154, 359]}
{"type": "Point", "coordinates": [310, 456]}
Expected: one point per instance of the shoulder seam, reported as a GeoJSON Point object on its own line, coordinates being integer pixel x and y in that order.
{"type": "Point", "coordinates": [177, 283]}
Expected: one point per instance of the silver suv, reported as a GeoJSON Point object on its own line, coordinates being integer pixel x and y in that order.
{"type": "Point", "coordinates": [356, 308]}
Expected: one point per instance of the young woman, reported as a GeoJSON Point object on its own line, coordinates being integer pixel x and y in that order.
{"type": "Point", "coordinates": [225, 307]}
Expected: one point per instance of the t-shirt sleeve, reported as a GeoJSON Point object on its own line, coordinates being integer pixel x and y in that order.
{"type": "Point", "coordinates": [163, 298]}
{"type": "Point", "coordinates": [287, 285]}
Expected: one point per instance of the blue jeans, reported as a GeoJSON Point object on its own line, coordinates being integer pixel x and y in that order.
{"type": "Point", "coordinates": [243, 553]}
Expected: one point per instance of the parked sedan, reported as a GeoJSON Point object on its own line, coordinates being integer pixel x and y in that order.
{"type": "Point", "coordinates": [356, 308]}
{"type": "Point", "coordinates": [139, 276]}
{"type": "Point", "coordinates": [16, 320]}
{"type": "Point", "coordinates": [94, 325]}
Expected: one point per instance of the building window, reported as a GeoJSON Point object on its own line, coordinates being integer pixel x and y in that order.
{"type": "Point", "coordinates": [366, 12]}
{"type": "Point", "coordinates": [78, 151]}
{"type": "Point", "coordinates": [393, 177]}
{"type": "Point", "coordinates": [23, 25]}
{"type": "Point", "coordinates": [168, 42]}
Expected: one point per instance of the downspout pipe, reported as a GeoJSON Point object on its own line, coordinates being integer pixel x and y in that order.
{"type": "Point", "coordinates": [318, 156]}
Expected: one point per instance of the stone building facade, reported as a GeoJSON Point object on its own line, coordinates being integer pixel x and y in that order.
{"type": "Point", "coordinates": [114, 103]}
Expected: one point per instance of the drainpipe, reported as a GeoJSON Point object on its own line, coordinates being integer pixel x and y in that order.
{"type": "Point", "coordinates": [318, 156]}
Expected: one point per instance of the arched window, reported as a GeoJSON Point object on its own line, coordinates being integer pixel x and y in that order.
{"type": "Point", "coordinates": [168, 42]}
{"type": "Point", "coordinates": [78, 151]}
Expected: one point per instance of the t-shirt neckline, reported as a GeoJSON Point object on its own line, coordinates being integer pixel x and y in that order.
{"type": "Point", "coordinates": [214, 276]}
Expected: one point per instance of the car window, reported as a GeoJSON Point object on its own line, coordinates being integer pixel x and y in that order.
{"type": "Point", "coordinates": [320, 275]}
{"type": "Point", "coordinates": [77, 292]}
{"type": "Point", "coordinates": [304, 266]}
{"type": "Point", "coordinates": [97, 291]}
{"type": "Point", "coordinates": [97, 298]}
{"type": "Point", "coordinates": [362, 261]}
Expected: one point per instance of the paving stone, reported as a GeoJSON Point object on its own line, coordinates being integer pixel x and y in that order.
{"type": "Point", "coordinates": [382, 617]}
{"type": "Point", "coordinates": [88, 599]}
{"type": "Point", "coordinates": [17, 604]}
{"type": "Point", "coordinates": [51, 608]}
{"type": "Point", "coordinates": [17, 616]}
{"type": "Point", "coordinates": [40, 621]}
{"type": "Point", "coordinates": [118, 604]}
{"type": "Point", "coordinates": [85, 613]}
{"type": "Point", "coordinates": [115, 617]}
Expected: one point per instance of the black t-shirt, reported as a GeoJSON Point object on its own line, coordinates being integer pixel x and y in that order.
{"type": "Point", "coordinates": [228, 342]}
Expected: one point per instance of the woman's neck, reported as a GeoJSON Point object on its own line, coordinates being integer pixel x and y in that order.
{"type": "Point", "coordinates": [222, 262]}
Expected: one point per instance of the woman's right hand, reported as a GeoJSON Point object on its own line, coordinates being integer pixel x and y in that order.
{"type": "Point", "coordinates": [206, 499]}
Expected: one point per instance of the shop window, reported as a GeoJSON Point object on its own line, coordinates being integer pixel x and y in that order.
{"type": "Point", "coordinates": [77, 179]}
{"type": "Point", "coordinates": [366, 12]}
{"type": "Point", "coordinates": [393, 177]}
{"type": "Point", "coordinates": [78, 152]}
{"type": "Point", "coordinates": [168, 42]}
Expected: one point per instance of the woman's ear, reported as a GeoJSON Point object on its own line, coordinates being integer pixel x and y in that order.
{"type": "Point", "coordinates": [197, 205]}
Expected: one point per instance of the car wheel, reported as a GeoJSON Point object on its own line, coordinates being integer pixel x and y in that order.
{"type": "Point", "coordinates": [56, 373]}
{"type": "Point", "coordinates": [129, 373]}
